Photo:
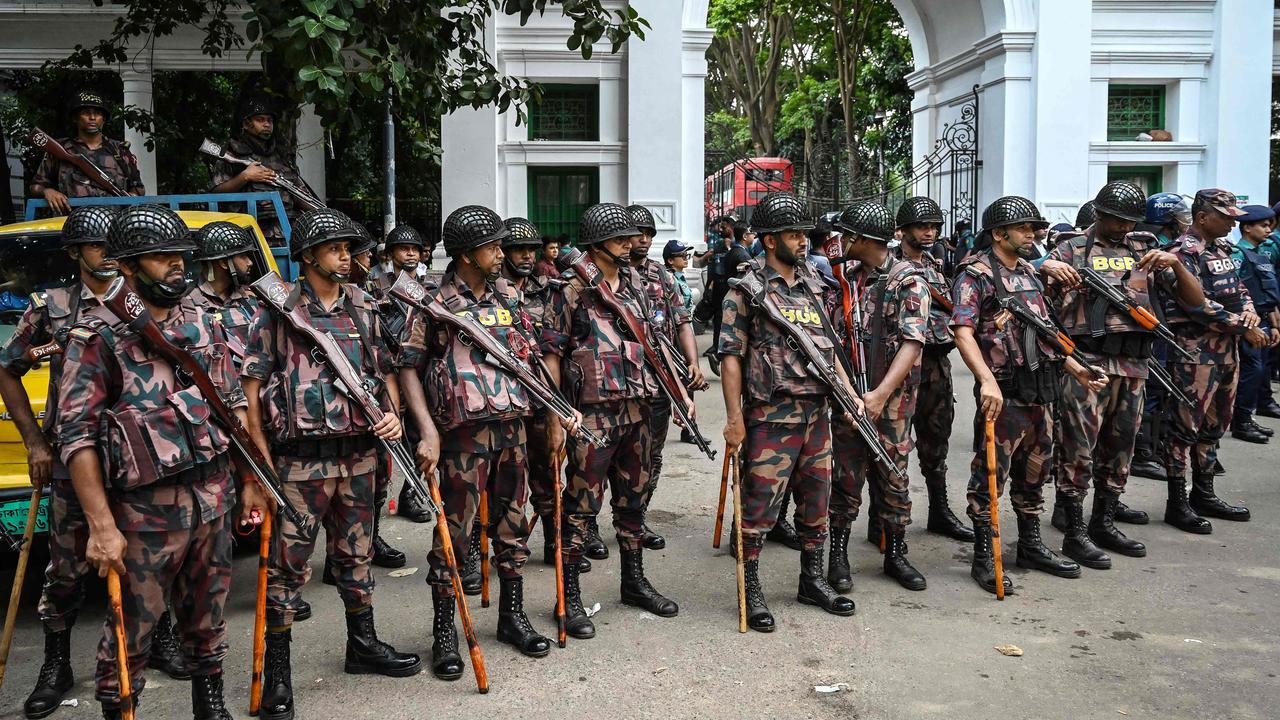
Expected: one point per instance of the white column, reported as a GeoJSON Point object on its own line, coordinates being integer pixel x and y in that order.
{"type": "Point", "coordinates": [611, 116]}
{"type": "Point", "coordinates": [1238, 99]}
{"type": "Point", "coordinates": [137, 92]}
{"type": "Point", "coordinates": [1062, 93]}
{"type": "Point", "coordinates": [310, 153]}
{"type": "Point", "coordinates": [689, 212]}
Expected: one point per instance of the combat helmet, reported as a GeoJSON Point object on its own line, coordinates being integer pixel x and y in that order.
{"type": "Point", "coordinates": [1012, 210]}
{"type": "Point", "coordinates": [1121, 199]}
{"type": "Point", "coordinates": [1086, 216]}
{"type": "Point", "coordinates": [523, 233]}
{"type": "Point", "coordinates": [403, 234]}
{"type": "Point", "coordinates": [88, 224]}
{"type": "Point", "coordinates": [605, 221]}
{"type": "Point", "coordinates": [918, 209]}
{"type": "Point", "coordinates": [143, 229]}
{"type": "Point", "coordinates": [321, 226]}
{"type": "Point", "coordinates": [643, 219]}
{"type": "Point", "coordinates": [779, 211]}
{"type": "Point", "coordinates": [222, 239]}
{"type": "Point", "coordinates": [866, 217]}
{"type": "Point", "coordinates": [470, 227]}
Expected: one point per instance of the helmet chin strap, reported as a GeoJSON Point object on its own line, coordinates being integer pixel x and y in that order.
{"type": "Point", "coordinates": [98, 274]}
{"type": "Point", "coordinates": [158, 292]}
{"type": "Point", "coordinates": [334, 276]}
{"type": "Point", "coordinates": [609, 254]}
{"type": "Point", "coordinates": [517, 270]}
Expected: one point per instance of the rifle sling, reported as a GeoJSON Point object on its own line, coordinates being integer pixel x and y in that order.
{"type": "Point", "coordinates": [827, 330]}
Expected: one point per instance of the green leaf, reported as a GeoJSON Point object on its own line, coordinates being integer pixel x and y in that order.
{"type": "Point", "coordinates": [315, 7]}
{"type": "Point", "coordinates": [334, 70]}
{"type": "Point", "coordinates": [586, 52]}
{"type": "Point", "coordinates": [397, 70]}
{"type": "Point", "coordinates": [574, 42]}
{"type": "Point", "coordinates": [336, 23]}
{"type": "Point", "coordinates": [251, 30]}
{"type": "Point", "coordinates": [335, 45]}
{"type": "Point", "coordinates": [314, 28]}
{"type": "Point", "coordinates": [309, 73]}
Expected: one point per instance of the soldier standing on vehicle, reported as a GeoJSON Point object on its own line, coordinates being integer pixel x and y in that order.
{"type": "Point", "coordinates": [56, 180]}
{"type": "Point", "coordinates": [324, 448]}
{"type": "Point", "coordinates": [156, 485]}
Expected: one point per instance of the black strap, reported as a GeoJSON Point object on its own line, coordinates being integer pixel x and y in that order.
{"type": "Point", "coordinates": [877, 329]}
{"type": "Point", "coordinates": [366, 347]}
{"type": "Point", "coordinates": [828, 331]}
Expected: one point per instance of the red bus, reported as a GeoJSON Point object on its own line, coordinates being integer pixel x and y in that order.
{"type": "Point", "coordinates": [737, 187]}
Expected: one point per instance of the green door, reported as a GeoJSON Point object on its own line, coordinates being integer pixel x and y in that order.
{"type": "Point", "coordinates": [1148, 177]}
{"type": "Point", "coordinates": [559, 195]}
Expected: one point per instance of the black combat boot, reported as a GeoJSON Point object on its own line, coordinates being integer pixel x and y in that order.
{"type": "Point", "coordinates": [1126, 514]}
{"type": "Point", "coordinates": [277, 677]}
{"type": "Point", "coordinates": [1102, 529]}
{"type": "Point", "coordinates": [758, 616]}
{"type": "Point", "coordinates": [367, 655]}
{"type": "Point", "coordinates": [111, 711]}
{"type": "Point", "coordinates": [1218, 470]}
{"type": "Point", "coordinates": [594, 547]}
{"type": "Point", "coordinates": [1271, 410]}
{"type": "Point", "coordinates": [814, 588]}
{"type": "Point", "coordinates": [302, 611]}
{"type": "Point", "coordinates": [1145, 461]}
{"type": "Point", "coordinates": [895, 559]}
{"type": "Point", "coordinates": [576, 622]}
{"type": "Point", "coordinates": [1033, 555]}
{"type": "Point", "coordinates": [875, 533]}
{"type": "Point", "coordinates": [783, 532]}
{"type": "Point", "coordinates": [652, 540]}
{"type": "Point", "coordinates": [55, 679]}
{"type": "Point", "coordinates": [1059, 521]}
{"type": "Point", "coordinates": [471, 577]}
{"type": "Point", "coordinates": [1262, 428]}
{"type": "Point", "coordinates": [166, 654]}
{"type": "Point", "coordinates": [410, 508]}
{"type": "Point", "coordinates": [637, 591]}
{"type": "Point", "coordinates": [206, 698]}
{"type": "Point", "coordinates": [1076, 543]}
{"type": "Point", "coordinates": [514, 627]}
{"type": "Point", "coordinates": [838, 573]}
{"type": "Point", "coordinates": [446, 663]}
{"type": "Point", "coordinates": [549, 545]}
{"type": "Point", "coordinates": [1206, 503]}
{"type": "Point", "coordinates": [1241, 430]}
{"type": "Point", "coordinates": [941, 520]}
{"type": "Point", "coordinates": [983, 567]}
{"type": "Point", "coordinates": [1178, 513]}
{"type": "Point", "coordinates": [386, 556]}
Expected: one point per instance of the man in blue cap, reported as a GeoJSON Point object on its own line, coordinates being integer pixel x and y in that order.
{"type": "Point", "coordinates": [1257, 271]}
{"type": "Point", "coordinates": [675, 255]}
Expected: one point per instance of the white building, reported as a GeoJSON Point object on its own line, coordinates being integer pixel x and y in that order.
{"type": "Point", "coordinates": [1066, 85]}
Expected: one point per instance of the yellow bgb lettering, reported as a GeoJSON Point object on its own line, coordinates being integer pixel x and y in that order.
{"type": "Point", "coordinates": [504, 316]}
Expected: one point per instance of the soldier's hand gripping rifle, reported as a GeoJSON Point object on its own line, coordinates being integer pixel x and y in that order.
{"type": "Point", "coordinates": [122, 300]}
{"type": "Point", "coordinates": [1034, 325]}
{"type": "Point", "coordinates": [576, 261]}
{"type": "Point", "coordinates": [302, 195]}
{"type": "Point", "coordinates": [41, 139]}
{"type": "Point", "coordinates": [820, 367]}
{"type": "Point", "coordinates": [470, 332]}
{"type": "Point", "coordinates": [1146, 319]}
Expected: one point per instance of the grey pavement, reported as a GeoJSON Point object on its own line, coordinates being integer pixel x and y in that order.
{"type": "Point", "coordinates": [1190, 631]}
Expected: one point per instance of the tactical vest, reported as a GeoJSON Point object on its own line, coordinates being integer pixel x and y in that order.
{"type": "Point", "coordinates": [881, 313]}
{"type": "Point", "coordinates": [231, 319]}
{"type": "Point", "coordinates": [1023, 365]}
{"type": "Point", "coordinates": [462, 388]}
{"type": "Point", "coordinates": [534, 299]}
{"type": "Point", "coordinates": [61, 308]}
{"type": "Point", "coordinates": [1097, 325]}
{"type": "Point", "coordinates": [1258, 274]}
{"type": "Point", "coordinates": [156, 429]}
{"type": "Point", "coordinates": [1217, 272]}
{"type": "Point", "coordinates": [657, 286]}
{"type": "Point", "coordinates": [303, 401]}
{"type": "Point", "coordinates": [940, 338]}
{"type": "Point", "coordinates": [113, 157]}
{"type": "Point", "coordinates": [774, 367]}
{"type": "Point", "coordinates": [604, 365]}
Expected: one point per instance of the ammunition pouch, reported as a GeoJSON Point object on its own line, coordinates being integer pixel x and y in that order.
{"type": "Point", "coordinates": [1034, 387]}
{"type": "Point", "coordinates": [157, 445]}
{"type": "Point", "coordinates": [1129, 344]}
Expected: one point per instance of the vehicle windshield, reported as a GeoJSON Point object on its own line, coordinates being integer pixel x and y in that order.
{"type": "Point", "coordinates": [29, 263]}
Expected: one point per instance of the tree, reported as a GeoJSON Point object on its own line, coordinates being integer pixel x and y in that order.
{"type": "Point", "coordinates": [746, 56]}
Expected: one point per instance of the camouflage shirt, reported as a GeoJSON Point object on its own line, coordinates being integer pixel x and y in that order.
{"type": "Point", "coordinates": [275, 157]}
{"type": "Point", "coordinates": [977, 306]}
{"type": "Point", "coordinates": [895, 299]}
{"type": "Point", "coordinates": [468, 397]}
{"type": "Point", "coordinates": [155, 436]}
{"type": "Point", "coordinates": [232, 317]}
{"type": "Point", "coordinates": [112, 157]}
{"type": "Point", "coordinates": [939, 336]}
{"type": "Point", "coordinates": [49, 317]}
{"type": "Point", "coordinates": [1210, 332]}
{"type": "Point", "coordinates": [667, 307]}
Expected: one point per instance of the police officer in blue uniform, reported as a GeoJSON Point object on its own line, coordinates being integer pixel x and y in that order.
{"type": "Point", "coordinates": [1258, 273]}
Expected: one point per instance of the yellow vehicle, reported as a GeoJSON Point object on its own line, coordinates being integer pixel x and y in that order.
{"type": "Point", "coordinates": [32, 259]}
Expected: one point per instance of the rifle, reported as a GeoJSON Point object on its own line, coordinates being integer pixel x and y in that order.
{"type": "Point", "coordinates": [576, 261]}
{"type": "Point", "coordinates": [1162, 376]}
{"type": "Point", "coordinates": [943, 301]}
{"type": "Point", "coordinates": [273, 292]}
{"type": "Point", "coordinates": [820, 367]}
{"type": "Point", "coordinates": [122, 300]}
{"type": "Point", "coordinates": [9, 540]}
{"type": "Point", "coordinates": [1144, 317]}
{"type": "Point", "coordinates": [40, 353]}
{"type": "Point", "coordinates": [1036, 325]}
{"type": "Point", "coordinates": [303, 196]}
{"type": "Point", "coordinates": [470, 332]}
{"type": "Point", "coordinates": [41, 139]}
{"type": "Point", "coordinates": [19, 574]}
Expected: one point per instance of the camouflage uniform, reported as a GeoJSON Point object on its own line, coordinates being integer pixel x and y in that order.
{"type": "Point", "coordinates": [668, 316]}
{"type": "Point", "coordinates": [168, 479]}
{"type": "Point", "coordinates": [535, 295]}
{"type": "Point", "coordinates": [50, 316]}
{"type": "Point", "coordinates": [112, 156]}
{"type": "Point", "coordinates": [232, 317]}
{"type": "Point", "coordinates": [274, 156]}
{"type": "Point", "coordinates": [785, 409]}
{"type": "Point", "coordinates": [322, 443]}
{"type": "Point", "coordinates": [479, 410]}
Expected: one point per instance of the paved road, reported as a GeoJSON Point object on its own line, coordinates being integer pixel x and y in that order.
{"type": "Point", "coordinates": [1190, 631]}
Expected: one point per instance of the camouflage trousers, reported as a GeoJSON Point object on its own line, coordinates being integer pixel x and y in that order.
{"type": "Point", "coordinates": [1193, 434]}
{"type": "Point", "coordinates": [659, 424]}
{"type": "Point", "coordinates": [193, 568]}
{"type": "Point", "coordinates": [623, 464]}
{"type": "Point", "coordinates": [782, 456]}
{"type": "Point", "coordinates": [1024, 450]}
{"type": "Point", "coordinates": [64, 577]}
{"type": "Point", "coordinates": [502, 474]}
{"type": "Point", "coordinates": [1096, 434]}
{"type": "Point", "coordinates": [541, 485]}
{"type": "Point", "coordinates": [934, 415]}
{"type": "Point", "coordinates": [342, 500]}
{"type": "Point", "coordinates": [891, 495]}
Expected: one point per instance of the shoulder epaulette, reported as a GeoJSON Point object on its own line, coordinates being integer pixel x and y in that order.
{"type": "Point", "coordinates": [88, 326]}
{"type": "Point", "coordinates": [38, 299]}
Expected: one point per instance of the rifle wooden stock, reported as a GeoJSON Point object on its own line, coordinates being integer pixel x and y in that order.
{"type": "Point", "coordinates": [122, 300]}
{"type": "Point", "coordinates": [260, 616]}
{"type": "Point", "coordinates": [484, 548]}
{"type": "Point", "coordinates": [724, 490]}
{"type": "Point", "coordinates": [561, 620]}
{"type": "Point", "coordinates": [1047, 331]}
{"type": "Point", "coordinates": [19, 575]}
{"type": "Point", "coordinates": [993, 489]}
{"type": "Point", "coordinates": [116, 600]}
{"type": "Point", "coordinates": [41, 139]}
{"type": "Point", "coordinates": [942, 300]}
{"type": "Point", "coordinates": [737, 536]}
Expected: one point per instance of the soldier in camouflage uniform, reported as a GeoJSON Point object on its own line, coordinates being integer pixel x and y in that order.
{"type": "Point", "coordinates": [604, 375]}
{"type": "Point", "coordinates": [150, 471]}
{"type": "Point", "coordinates": [56, 180]}
{"type": "Point", "coordinates": [1017, 383]}
{"type": "Point", "coordinates": [227, 253]}
{"type": "Point", "coordinates": [1211, 334]}
{"type": "Point", "coordinates": [919, 221]}
{"type": "Point", "coordinates": [674, 329]}
{"type": "Point", "coordinates": [49, 319]}
{"type": "Point", "coordinates": [271, 158]}
{"type": "Point", "coordinates": [324, 448]}
{"type": "Point", "coordinates": [777, 414]}
{"type": "Point", "coordinates": [1097, 431]}
{"type": "Point", "coordinates": [480, 410]}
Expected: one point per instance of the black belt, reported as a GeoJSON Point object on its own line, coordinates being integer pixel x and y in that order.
{"type": "Point", "coordinates": [327, 448]}
{"type": "Point", "coordinates": [200, 473]}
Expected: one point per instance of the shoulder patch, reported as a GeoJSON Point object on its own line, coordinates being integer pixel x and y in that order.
{"type": "Point", "coordinates": [38, 299]}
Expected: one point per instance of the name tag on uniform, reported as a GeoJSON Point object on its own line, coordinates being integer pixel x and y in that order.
{"type": "Point", "coordinates": [1103, 264]}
